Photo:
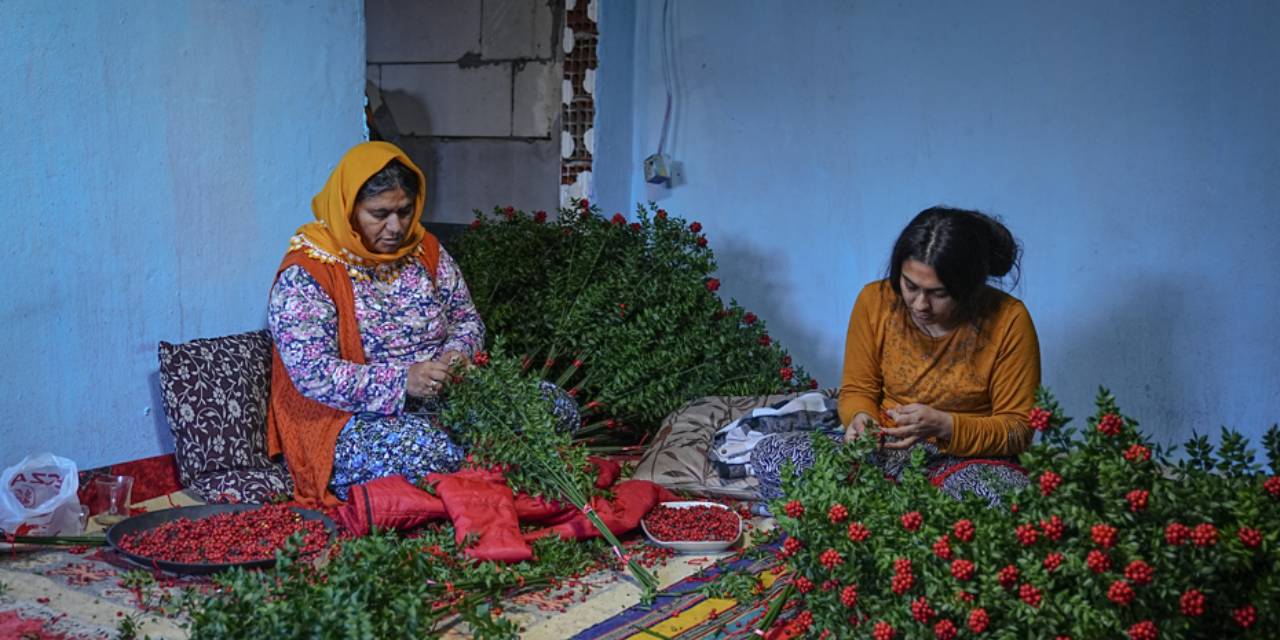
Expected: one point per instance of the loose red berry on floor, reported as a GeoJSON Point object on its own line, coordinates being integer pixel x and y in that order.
{"type": "Point", "coordinates": [978, 620]}
{"type": "Point", "coordinates": [1250, 537]}
{"type": "Point", "coordinates": [912, 521]}
{"type": "Point", "coordinates": [1191, 603]}
{"type": "Point", "coordinates": [963, 529]}
{"type": "Point", "coordinates": [1120, 593]}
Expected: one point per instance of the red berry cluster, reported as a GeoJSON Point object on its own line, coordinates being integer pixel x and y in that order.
{"type": "Point", "coordinates": [1098, 561]}
{"type": "Point", "coordinates": [713, 284]}
{"type": "Point", "coordinates": [945, 630]}
{"type": "Point", "coordinates": [1145, 630]}
{"type": "Point", "coordinates": [791, 546]}
{"type": "Point", "coordinates": [225, 538]}
{"type": "Point", "coordinates": [804, 620]}
{"type": "Point", "coordinates": [1204, 535]}
{"type": "Point", "coordinates": [921, 611]}
{"type": "Point", "coordinates": [1191, 603]}
{"type": "Point", "coordinates": [903, 578]}
{"type": "Point", "coordinates": [1053, 561]}
{"type": "Point", "coordinates": [858, 532]}
{"type": "Point", "coordinates": [1049, 482]}
{"type": "Point", "coordinates": [1038, 419]}
{"type": "Point", "coordinates": [1176, 533]}
{"type": "Point", "coordinates": [1137, 499]}
{"type": "Point", "coordinates": [618, 219]}
{"type": "Point", "coordinates": [481, 359]}
{"type": "Point", "coordinates": [829, 585]}
{"type": "Point", "coordinates": [942, 547]}
{"type": "Point", "coordinates": [1272, 485]}
{"type": "Point", "coordinates": [793, 509]}
{"type": "Point", "coordinates": [837, 513]}
{"type": "Point", "coordinates": [1029, 594]}
{"type": "Point", "coordinates": [962, 569]}
{"type": "Point", "coordinates": [750, 318]}
{"type": "Point", "coordinates": [831, 559]}
{"type": "Point", "coordinates": [1104, 535]}
{"type": "Point", "coordinates": [698, 523]}
{"type": "Point", "coordinates": [1250, 537]}
{"type": "Point", "coordinates": [1027, 534]}
{"type": "Point", "coordinates": [1139, 572]}
{"type": "Point", "coordinates": [1120, 593]}
{"type": "Point", "coordinates": [803, 584]}
{"type": "Point", "coordinates": [978, 620]}
{"type": "Point", "coordinates": [786, 373]}
{"type": "Point", "coordinates": [849, 596]}
{"type": "Point", "coordinates": [1110, 425]}
{"type": "Point", "coordinates": [912, 521]}
{"type": "Point", "coordinates": [1245, 616]}
{"type": "Point", "coordinates": [963, 529]}
{"type": "Point", "coordinates": [1007, 577]}
{"type": "Point", "coordinates": [1137, 453]}
{"type": "Point", "coordinates": [882, 631]}
{"type": "Point", "coordinates": [1053, 528]}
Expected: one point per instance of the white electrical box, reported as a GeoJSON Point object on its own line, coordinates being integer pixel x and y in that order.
{"type": "Point", "coordinates": [657, 168]}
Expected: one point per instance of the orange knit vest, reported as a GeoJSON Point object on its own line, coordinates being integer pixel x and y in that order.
{"type": "Point", "coordinates": [304, 430]}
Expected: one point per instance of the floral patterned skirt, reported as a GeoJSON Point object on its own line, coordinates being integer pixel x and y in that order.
{"type": "Point", "coordinates": [988, 478]}
{"type": "Point", "coordinates": [411, 443]}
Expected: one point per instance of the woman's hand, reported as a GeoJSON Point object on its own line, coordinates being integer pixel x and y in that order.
{"type": "Point", "coordinates": [917, 422]}
{"type": "Point", "coordinates": [426, 378]}
{"type": "Point", "coordinates": [857, 426]}
{"type": "Point", "coordinates": [453, 358]}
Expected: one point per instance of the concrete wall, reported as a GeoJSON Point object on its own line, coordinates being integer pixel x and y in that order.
{"type": "Point", "coordinates": [474, 90]}
{"type": "Point", "coordinates": [1133, 147]}
{"type": "Point", "coordinates": [157, 156]}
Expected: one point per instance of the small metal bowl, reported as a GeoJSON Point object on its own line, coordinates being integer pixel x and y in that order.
{"type": "Point", "coordinates": [691, 546]}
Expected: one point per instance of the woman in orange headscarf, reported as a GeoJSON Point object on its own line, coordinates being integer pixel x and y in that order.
{"type": "Point", "coordinates": [368, 314]}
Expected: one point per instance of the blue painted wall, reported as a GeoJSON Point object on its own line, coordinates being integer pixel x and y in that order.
{"type": "Point", "coordinates": [157, 156]}
{"type": "Point", "coordinates": [1134, 148]}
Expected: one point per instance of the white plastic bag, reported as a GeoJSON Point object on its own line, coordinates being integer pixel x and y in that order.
{"type": "Point", "coordinates": [40, 492]}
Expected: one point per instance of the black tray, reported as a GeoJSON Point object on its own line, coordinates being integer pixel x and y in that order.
{"type": "Point", "coordinates": [153, 519]}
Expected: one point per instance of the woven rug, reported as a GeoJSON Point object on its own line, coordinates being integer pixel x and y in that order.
{"type": "Point", "coordinates": [681, 611]}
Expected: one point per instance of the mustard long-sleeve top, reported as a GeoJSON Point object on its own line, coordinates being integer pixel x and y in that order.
{"type": "Point", "coordinates": [986, 380]}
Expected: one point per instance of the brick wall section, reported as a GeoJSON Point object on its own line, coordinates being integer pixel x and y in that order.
{"type": "Point", "coordinates": [474, 89]}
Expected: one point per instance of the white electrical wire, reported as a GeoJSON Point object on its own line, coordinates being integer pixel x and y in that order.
{"type": "Point", "coordinates": [666, 73]}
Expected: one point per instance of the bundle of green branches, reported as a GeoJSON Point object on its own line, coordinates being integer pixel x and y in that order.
{"type": "Point", "coordinates": [503, 416]}
{"type": "Point", "coordinates": [624, 314]}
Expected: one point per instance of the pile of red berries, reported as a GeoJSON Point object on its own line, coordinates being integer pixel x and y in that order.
{"type": "Point", "coordinates": [227, 538]}
{"type": "Point", "coordinates": [697, 523]}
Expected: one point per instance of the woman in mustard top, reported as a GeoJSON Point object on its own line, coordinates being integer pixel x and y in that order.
{"type": "Point", "coordinates": [952, 362]}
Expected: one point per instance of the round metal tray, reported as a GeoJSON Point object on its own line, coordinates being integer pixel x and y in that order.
{"type": "Point", "coordinates": [150, 520]}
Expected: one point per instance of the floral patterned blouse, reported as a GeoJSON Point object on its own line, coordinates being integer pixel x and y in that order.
{"type": "Point", "coordinates": [408, 320]}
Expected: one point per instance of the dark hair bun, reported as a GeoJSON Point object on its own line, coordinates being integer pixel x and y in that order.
{"type": "Point", "coordinates": [1002, 248]}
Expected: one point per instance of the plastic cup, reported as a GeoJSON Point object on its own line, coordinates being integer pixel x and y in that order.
{"type": "Point", "coordinates": [111, 498]}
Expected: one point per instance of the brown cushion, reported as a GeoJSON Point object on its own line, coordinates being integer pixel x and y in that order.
{"type": "Point", "coordinates": [677, 459]}
{"type": "Point", "coordinates": [215, 396]}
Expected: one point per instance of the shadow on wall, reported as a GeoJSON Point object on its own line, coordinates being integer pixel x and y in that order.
{"type": "Point", "coordinates": [160, 422]}
{"type": "Point", "coordinates": [759, 284]}
{"type": "Point", "coordinates": [1132, 349]}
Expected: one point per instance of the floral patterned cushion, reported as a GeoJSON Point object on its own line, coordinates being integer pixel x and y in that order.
{"type": "Point", "coordinates": [215, 396]}
{"type": "Point", "coordinates": [677, 459]}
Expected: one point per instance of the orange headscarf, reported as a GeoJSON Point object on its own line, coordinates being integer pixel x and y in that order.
{"type": "Point", "coordinates": [332, 232]}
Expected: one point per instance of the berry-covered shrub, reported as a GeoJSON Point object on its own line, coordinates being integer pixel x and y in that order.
{"type": "Point", "coordinates": [1114, 537]}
